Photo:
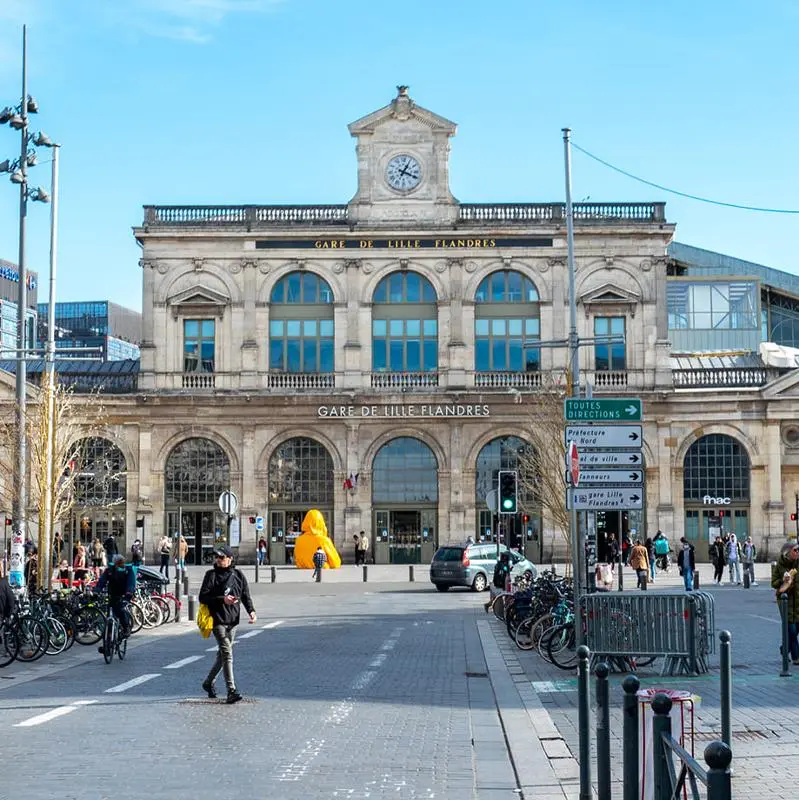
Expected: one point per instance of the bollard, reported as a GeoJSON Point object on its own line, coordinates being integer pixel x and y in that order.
{"type": "Point", "coordinates": [185, 583]}
{"type": "Point", "coordinates": [746, 578]}
{"type": "Point", "coordinates": [692, 636]}
{"type": "Point", "coordinates": [365, 573]}
{"type": "Point", "coordinates": [718, 757]}
{"type": "Point", "coordinates": [273, 574]}
{"type": "Point", "coordinates": [661, 724]}
{"type": "Point", "coordinates": [584, 722]}
{"type": "Point", "coordinates": [602, 732]}
{"type": "Point", "coordinates": [256, 569]}
{"type": "Point", "coordinates": [177, 603]}
{"type": "Point", "coordinates": [192, 608]}
{"type": "Point", "coordinates": [630, 737]}
{"type": "Point", "coordinates": [696, 580]}
{"type": "Point", "coordinates": [786, 672]}
{"type": "Point", "coordinates": [410, 573]}
{"type": "Point", "coordinates": [726, 687]}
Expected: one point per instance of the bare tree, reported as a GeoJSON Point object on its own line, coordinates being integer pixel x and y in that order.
{"type": "Point", "coordinates": [542, 466]}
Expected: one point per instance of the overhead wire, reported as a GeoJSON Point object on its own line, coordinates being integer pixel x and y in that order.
{"type": "Point", "coordinates": [679, 193]}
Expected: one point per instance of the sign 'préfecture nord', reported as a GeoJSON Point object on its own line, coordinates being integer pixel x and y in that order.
{"type": "Point", "coordinates": [617, 409]}
{"type": "Point", "coordinates": [601, 436]}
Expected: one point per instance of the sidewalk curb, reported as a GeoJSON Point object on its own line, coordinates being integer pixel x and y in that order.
{"type": "Point", "coordinates": [539, 754]}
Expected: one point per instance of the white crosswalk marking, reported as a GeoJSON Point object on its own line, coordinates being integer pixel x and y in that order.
{"type": "Point", "coordinates": [272, 624]}
{"type": "Point", "coordinates": [183, 662]}
{"type": "Point", "coordinates": [53, 714]}
{"type": "Point", "coordinates": [250, 634]}
{"type": "Point", "coordinates": [135, 682]}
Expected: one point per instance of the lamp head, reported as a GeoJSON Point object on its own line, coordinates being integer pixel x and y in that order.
{"type": "Point", "coordinates": [6, 114]}
{"type": "Point", "coordinates": [40, 195]}
{"type": "Point", "coordinates": [30, 159]}
{"type": "Point", "coordinates": [5, 166]}
{"type": "Point", "coordinates": [18, 177]}
{"type": "Point", "coordinates": [33, 106]}
{"type": "Point", "coordinates": [17, 122]}
{"type": "Point", "coordinates": [43, 140]}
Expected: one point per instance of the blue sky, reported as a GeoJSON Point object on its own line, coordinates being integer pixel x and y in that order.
{"type": "Point", "coordinates": [247, 101]}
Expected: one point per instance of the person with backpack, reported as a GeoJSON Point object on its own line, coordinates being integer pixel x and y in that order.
{"type": "Point", "coordinates": [224, 590]}
{"type": "Point", "coordinates": [119, 580]}
{"type": "Point", "coordinates": [164, 551]}
{"type": "Point", "coordinates": [319, 561]}
{"type": "Point", "coordinates": [662, 548]}
{"type": "Point", "coordinates": [718, 559]}
{"type": "Point", "coordinates": [111, 549]}
{"type": "Point", "coordinates": [137, 553]}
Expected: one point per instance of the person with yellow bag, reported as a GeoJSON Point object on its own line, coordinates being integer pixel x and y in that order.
{"type": "Point", "coordinates": [224, 591]}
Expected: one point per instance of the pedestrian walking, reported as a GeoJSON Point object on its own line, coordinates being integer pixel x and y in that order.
{"type": "Point", "coordinates": [734, 556]}
{"type": "Point", "coordinates": [662, 548]}
{"type": "Point", "coordinates": [111, 549]}
{"type": "Point", "coordinates": [639, 561]}
{"type": "Point", "coordinates": [164, 551]}
{"type": "Point", "coordinates": [613, 552]}
{"type": "Point", "coordinates": [224, 590]}
{"type": "Point", "coordinates": [319, 561]}
{"type": "Point", "coordinates": [32, 569]}
{"type": "Point", "coordinates": [749, 556]}
{"type": "Point", "coordinates": [58, 547]}
{"type": "Point", "coordinates": [717, 558]}
{"type": "Point", "coordinates": [356, 540]}
{"type": "Point", "coordinates": [262, 548]}
{"type": "Point", "coordinates": [783, 579]}
{"type": "Point", "coordinates": [686, 563]}
{"type": "Point", "coordinates": [137, 553]}
{"type": "Point", "coordinates": [79, 563]}
{"type": "Point", "coordinates": [98, 556]}
{"type": "Point", "coordinates": [650, 552]}
{"type": "Point", "coordinates": [180, 553]}
{"type": "Point", "coordinates": [363, 545]}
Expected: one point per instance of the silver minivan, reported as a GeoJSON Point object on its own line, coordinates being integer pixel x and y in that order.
{"type": "Point", "coordinates": [472, 565]}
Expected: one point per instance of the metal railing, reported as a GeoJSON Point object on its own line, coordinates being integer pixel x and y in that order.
{"type": "Point", "coordinates": [301, 380]}
{"type": "Point", "coordinates": [679, 627]}
{"type": "Point", "coordinates": [404, 380]}
{"type": "Point", "coordinates": [670, 782]}
{"type": "Point", "coordinates": [476, 214]}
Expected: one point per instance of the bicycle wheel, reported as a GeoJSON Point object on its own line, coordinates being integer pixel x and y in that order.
{"type": "Point", "coordinates": [562, 651]}
{"type": "Point", "coordinates": [56, 636]}
{"type": "Point", "coordinates": [32, 638]}
{"type": "Point", "coordinates": [166, 611]}
{"type": "Point", "coordinates": [89, 625]}
{"type": "Point", "coordinates": [122, 646]}
{"type": "Point", "coordinates": [136, 617]}
{"type": "Point", "coordinates": [152, 614]}
{"type": "Point", "coordinates": [9, 645]}
{"type": "Point", "coordinates": [522, 634]}
{"type": "Point", "coordinates": [67, 620]}
{"type": "Point", "coordinates": [109, 639]}
{"type": "Point", "coordinates": [498, 607]}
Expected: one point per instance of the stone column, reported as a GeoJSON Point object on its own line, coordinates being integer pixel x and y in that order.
{"type": "Point", "coordinates": [349, 328]}
{"type": "Point", "coordinates": [249, 344]}
{"type": "Point", "coordinates": [774, 507]}
{"type": "Point", "coordinates": [446, 533]}
{"type": "Point", "coordinates": [147, 345]}
{"type": "Point", "coordinates": [660, 474]}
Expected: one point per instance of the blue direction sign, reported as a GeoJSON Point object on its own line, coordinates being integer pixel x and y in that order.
{"type": "Point", "coordinates": [615, 409]}
{"type": "Point", "coordinates": [608, 498]}
{"type": "Point", "coordinates": [603, 436]}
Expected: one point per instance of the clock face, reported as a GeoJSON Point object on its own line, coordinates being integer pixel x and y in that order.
{"type": "Point", "coordinates": [403, 173]}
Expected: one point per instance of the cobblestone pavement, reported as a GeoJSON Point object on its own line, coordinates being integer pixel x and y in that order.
{"type": "Point", "coordinates": [765, 730]}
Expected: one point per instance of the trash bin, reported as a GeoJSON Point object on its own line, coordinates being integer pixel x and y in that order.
{"type": "Point", "coordinates": [683, 711]}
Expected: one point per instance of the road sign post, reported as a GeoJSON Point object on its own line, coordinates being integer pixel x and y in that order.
{"type": "Point", "coordinates": [228, 505]}
{"type": "Point", "coordinates": [616, 409]}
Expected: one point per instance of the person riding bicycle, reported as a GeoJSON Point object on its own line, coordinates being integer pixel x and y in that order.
{"type": "Point", "coordinates": [120, 581]}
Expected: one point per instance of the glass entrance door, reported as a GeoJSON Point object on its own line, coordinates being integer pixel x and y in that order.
{"type": "Point", "coordinates": [200, 528]}
{"type": "Point", "coordinates": [405, 538]}
{"type": "Point", "coordinates": [702, 524]}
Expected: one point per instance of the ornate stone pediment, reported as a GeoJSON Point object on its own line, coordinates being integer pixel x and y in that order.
{"type": "Point", "coordinates": [402, 108]}
{"type": "Point", "coordinates": [609, 295]}
{"type": "Point", "coordinates": [199, 301]}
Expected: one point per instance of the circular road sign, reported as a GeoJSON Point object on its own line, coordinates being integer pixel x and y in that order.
{"type": "Point", "coordinates": [573, 464]}
{"type": "Point", "coordinates": [228, 503]}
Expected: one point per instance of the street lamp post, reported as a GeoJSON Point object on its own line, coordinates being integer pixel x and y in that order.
{"type": "Point", "coordinates": [17, 118]}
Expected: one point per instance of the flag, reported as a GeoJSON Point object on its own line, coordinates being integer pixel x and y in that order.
{"type": "Point", "coordinates": [348, 486]}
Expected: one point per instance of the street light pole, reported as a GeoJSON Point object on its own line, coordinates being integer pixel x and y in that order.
{"type": "Point", "coordinates": [16, 573]}
{"type": "Point", "coordinates": [45, 560]}
{"type": "Point", "coordinates": [574, 362]}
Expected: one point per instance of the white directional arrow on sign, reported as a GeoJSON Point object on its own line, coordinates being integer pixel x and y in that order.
{"type": "Point", "coordinates": [610, 476]}
{"type": "Point", "coordinates": [602, 436]}
{"type": "Point", "coordinates": [610, 458]}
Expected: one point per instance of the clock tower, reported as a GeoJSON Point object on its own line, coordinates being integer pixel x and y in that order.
{"type": "Point", "coordinates": [403, 166]}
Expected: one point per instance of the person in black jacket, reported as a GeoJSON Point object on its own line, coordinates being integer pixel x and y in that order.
{"type": "Point", "coordinates": [224, 591]}
{"type": "Point", "coordinates": [8, 600]}
{"type": "Point", "coordinates": [686, 562]}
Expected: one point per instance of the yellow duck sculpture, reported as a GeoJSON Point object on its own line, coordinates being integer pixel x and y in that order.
{"type": "Point", "coordinates": [314, 534]}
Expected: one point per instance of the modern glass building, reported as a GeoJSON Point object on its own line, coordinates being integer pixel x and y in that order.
{"type": "Point", "coordinates": [109, 331]}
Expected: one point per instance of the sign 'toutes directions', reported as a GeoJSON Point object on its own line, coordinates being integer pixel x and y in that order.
{"type": "Point", "coordinates": [617, 409]}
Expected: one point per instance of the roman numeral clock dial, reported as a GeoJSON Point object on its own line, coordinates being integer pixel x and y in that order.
{"type": "Point", "coordinates": [403, 173]}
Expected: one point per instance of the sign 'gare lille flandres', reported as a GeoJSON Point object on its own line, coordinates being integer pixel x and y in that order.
{"type": "Point", "coordinates": [404, 410]}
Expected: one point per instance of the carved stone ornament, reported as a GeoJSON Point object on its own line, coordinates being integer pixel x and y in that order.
{"type": "Point", "coordinates": [367, 268]}
{"type": "Point", "coordinates": [162, 267]}
{"type": "Point", "coordinates": [470, 266]}
{"type": "Point", "coordinates": [235, 267]}
{"type": "Point", "coordinates": [404, 263]}
{"type": "Point", "coordinates": [543, 265]}
{"type": "Point", "coordinates": [507, 262]}
{"type": "Point", "coordinates": [264, 267]}
{"type": "Point", "coordinates": [441, 266]}
{"type": "Point", "coordinates": [646, 265]}
{"type": "Point", "coordinates": [556, 261]}
{"type": "Point", "coordinates": [198, 264]}
{"type": "Point", "coordinates": [147, 263]}
{"type": "Point", "coordinates": [609, 261]}
{"type": "Point", "coordinates": [338, 267]}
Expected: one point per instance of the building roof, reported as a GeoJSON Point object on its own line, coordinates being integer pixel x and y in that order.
{"type": "Point", "coordinates": [706, 263]}
{"type": "Point", "coordinates": [86, 375]}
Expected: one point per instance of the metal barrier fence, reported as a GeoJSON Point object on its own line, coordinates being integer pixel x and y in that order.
{"type": "Point", "coordinates": [678, 626]}
{"type": "Point", "coordinates": [670, 780]}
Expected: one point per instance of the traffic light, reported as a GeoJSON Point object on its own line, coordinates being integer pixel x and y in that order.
{"type": "Point", "coordinates": [508, 488]}
{"type": "Point", "coordinates": [9, 521]}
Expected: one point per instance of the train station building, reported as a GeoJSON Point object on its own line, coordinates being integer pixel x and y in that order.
{"type": "Point", "coordinates": [381, 359]}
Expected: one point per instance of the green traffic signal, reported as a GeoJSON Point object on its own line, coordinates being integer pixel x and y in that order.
{"type": "Point", "coordinates": [507, 503]}
{"type": "Point", "coordinates": [508, 491]}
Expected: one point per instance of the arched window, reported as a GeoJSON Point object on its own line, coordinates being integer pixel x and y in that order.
{"type": "Point", "coordinates": [405, 470]}
{"type": "Point", "coordinates": [716, 466]}
{"type": "Point", "coordinates": [197, 471]}
{"type": "Point", "coordinates": [507, 327]}
{"type": "Point", "coordinates": [301, 473]}
{"type": "Point", "coordinates": [404, 324]}
{"type": "Point", "coordinates": [100, 473]}
{"type": "Point", "coordinates": [301, 325]}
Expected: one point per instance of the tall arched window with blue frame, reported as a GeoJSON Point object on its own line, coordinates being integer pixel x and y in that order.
{"type": "Point", "coordinates": [405, 325]}
{"type": "Point", "coordinates": [301, 326]}
{"type": "Point", "coordinates": [507, 324]}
